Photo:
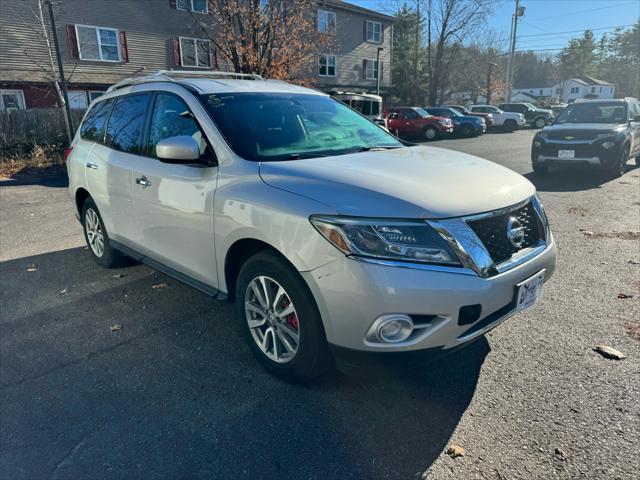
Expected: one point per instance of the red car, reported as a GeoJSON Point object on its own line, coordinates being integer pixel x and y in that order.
{"type": "Point", "coordinates": [488, 118]}
{"type": "Point", "coordinates": [417, 122]}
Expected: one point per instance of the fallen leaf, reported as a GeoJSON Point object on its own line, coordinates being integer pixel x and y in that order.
{"type": "Point", "coordinates": [160, 285]}
{"type": "Point", "coordinates": [609, 352]}
{"type": "Point", "coordinates": [624, 295]}
{"type": "Point", "coordinates": [634, 262]}
{"type": "Point", "coordinates": [63, 291]}
{"type": "Point", "coordinates": [587, 232]}
{"type": "Point", "coordinates": [560, 453]}
{"type": "Point", "coordinates": [32, 268]}
{"type": "Point", "coordinates": [115, 328]}
{"type": "Point", "coordinates": [455, 451]}
{"type": "Point", "coordinates": [118, 275]}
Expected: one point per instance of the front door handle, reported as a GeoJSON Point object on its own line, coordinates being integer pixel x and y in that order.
{"type": "Point", "coordinates": [142, 181]}
{"type": "Point", "coordinates": [91, 165]}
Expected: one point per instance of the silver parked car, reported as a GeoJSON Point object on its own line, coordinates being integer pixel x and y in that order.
{"type": "Point", "coordinates": [335, 240]}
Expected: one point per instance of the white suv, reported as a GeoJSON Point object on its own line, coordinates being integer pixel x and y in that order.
{"type": "Point", "coordinates": [335, 240]}
{"type": "Point", "coordinates": [508, 121]}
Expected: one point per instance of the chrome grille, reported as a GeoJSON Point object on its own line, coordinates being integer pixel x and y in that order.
{"type": "Point", "coordinates": [492, 231]}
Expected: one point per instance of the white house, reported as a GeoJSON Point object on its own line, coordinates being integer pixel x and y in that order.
{"type": "Point", "coordinates": [584, 87]}
{"type": "Point", "coordinates": [532, 94]}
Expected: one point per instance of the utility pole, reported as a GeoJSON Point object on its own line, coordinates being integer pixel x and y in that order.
{"type": "Point", "coordinates": [63, 81]}
{"type": "Point", "coordinates": [415, 60]}
{"type": "Point", "coordinates": [429, 43]}
{"type": "Point", "coordinates": [519, 12]}
{"type": "Point", "coordinates": [491, 65]}
{"type": "Point", "coordinates": [379, 71]}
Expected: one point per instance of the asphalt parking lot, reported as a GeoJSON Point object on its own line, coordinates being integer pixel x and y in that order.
{"type": "Point", "coordinates": [104, 376]}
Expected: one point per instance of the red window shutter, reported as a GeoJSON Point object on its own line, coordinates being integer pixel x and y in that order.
{"type": "Point", "coordinates": [176, 51]}
{"type": "Point", "coordinates": [173, 4]}
{"type": "Point", "coordinates": [124, 51]}
{"type": "Point", "coordinates": [73, 41]}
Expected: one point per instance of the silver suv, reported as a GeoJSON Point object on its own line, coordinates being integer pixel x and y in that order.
{"type": "Point", "coordinates": [335, 240]}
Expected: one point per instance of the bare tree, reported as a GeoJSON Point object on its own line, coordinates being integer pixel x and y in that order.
{"type": "Point", "coordinates": [451, 21]}
{"type": "Point", "coordinates": [276, 39]}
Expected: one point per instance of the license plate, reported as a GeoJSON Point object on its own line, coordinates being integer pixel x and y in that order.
{"type": "Point", "coordinates": [566, 154]}
{"type": "Point", "coordinates": [530, 291]}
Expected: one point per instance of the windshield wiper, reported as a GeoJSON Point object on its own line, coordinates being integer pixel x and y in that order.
{"type": "Point", "coordinates": [377, 147]}
{"type": "Point", "coordinates": [300, 156]}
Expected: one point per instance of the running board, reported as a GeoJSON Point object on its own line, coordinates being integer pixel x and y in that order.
{"type": "Point", "coordinates": [161, 267]}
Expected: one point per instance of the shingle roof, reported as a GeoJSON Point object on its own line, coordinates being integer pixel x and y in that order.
{"type": "Point", "coordinates": [355, 8]}
{"type": "Point", "coordinates": [586, 80]}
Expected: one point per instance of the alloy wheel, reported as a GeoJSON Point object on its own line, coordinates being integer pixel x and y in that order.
{"type": "Point", "coordinates": [431, 133]}
{"type": "Point", "coordinates": [272, 319]}
{"type": "Point", "coordinates": [93, 228]}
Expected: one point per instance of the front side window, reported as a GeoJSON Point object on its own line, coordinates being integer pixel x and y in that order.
{"type": "Point", "coordinates": [327, 65]}
{"type": "Point", "coordinates": [374, 32]}
{"type": "Point", "coordinates": [98, 43]}
{"type": "Point", "coordinates": [371, 69]}
{"type": "Point", "coordinates": [126, 123]}
{"type": "Point", "coordinates": [94, 121]}
{"type": "Point", "coordinates": [326, 21]}
{"type": "Point", "coordinates": [195, 53]}
{"type": "Point", "coordinates": [199, 6]}
{"type": "Point", "coordinates": [600, 112]}
{"type": "Point", "coordinates": [284, 126]}
{"type": "Point", "coordinates": [11, 100]}
{"type": "Point", "coordinates": [172, 118]}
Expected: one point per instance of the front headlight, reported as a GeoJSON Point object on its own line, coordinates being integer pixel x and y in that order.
{"type": "Point", "coordinates": [400, 240]}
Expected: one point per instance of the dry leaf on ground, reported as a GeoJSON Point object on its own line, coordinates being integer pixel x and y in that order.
{"type": "Point", "coordinates": [64, 291]}
{"type": "Point", "coordinates": [609, 352]}
{"type": "Point", "coordinates": [118, 275]}
{"type": "Point", "coordinates": [455, 451]}
{"type": "Point", "coordinates": [624, 295]}
{"type": "Point", "coordinates": [115, 328]}
{"type": "Point", "coordinates": [160, 285]}
{"type": "Point", "coordinates": [634, 262]}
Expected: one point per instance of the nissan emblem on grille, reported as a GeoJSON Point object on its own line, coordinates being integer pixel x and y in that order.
{"type": "Point", "coordinates": [515, 232]}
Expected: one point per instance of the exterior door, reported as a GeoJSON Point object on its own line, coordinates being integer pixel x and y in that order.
{"type": "Point", "coordinates": [410, 124]}
{"type": "Point", "coordinates": [173, 203]}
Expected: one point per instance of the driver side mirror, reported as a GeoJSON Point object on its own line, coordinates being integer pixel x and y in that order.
{"type": "Point", "coordinates": [636, 118]}
{"type": "Point", "coordinates": [180, 149]}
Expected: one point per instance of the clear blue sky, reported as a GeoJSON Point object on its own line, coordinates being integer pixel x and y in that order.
{"type": "Point", "coordinates": [543, 17]}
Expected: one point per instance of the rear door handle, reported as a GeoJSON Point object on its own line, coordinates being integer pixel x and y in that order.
{"type": "Point", "coordinates": [142, 181]}
{"type": "Point", "coordinates": [91, 165]}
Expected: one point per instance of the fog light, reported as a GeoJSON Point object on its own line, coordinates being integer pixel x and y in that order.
{"type": "Point", "coordinates": [537, 144]}
{"type": "Point", "coordinates": [395, 328]}
{"type": "Point", "coordinates": [608, 145]}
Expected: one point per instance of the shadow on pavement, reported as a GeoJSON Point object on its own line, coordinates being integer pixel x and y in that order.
{"type": "Point", "coordinates": [175, 393]}
{"type": "Point", "coordinates": [568, 179]}
{"type": "Point", "coordinates": [50, 177]}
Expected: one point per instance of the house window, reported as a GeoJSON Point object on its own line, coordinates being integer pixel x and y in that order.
{"type": "Point", "coordinates": [326, 21]}
{"type": "Point", "coordinates": [374, 32]}
{"type": "Point", "coordinates": [11, 100]}
{"type": "Point", "coordinates": [77, 99]}
{"type": "Point", "coordinates": [575, 89]}
{"type": "Point", "coordinates": [195, 53]}
{"type": "Point", "coordinates": [198, 6]}
{"type": "Point", "coordinates": [98, 43]}
{"type": "Point", "coordinates": [540, 92]}
{"type": "Point", "coordinates": [371, 69]}
{"type": "Point", "coordinates": [327, 65]}
{"type": "Point", "coordinates": [593, 89]}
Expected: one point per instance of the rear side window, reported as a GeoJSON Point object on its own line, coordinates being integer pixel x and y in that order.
{"type": "Point", "coordinates": [126, 123]}
{"type": "Point", "coordinates": [93, 124]}
{"type": "Point", "coordinates": [171, 118]}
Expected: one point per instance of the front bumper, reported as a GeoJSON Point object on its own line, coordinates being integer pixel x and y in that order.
{"type": "Point", "coordinates": [351, 294]}
{"type": "Point", "coordinates": [592, 153]}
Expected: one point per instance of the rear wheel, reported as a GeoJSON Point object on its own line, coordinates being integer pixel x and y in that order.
{"type": "Point", "coordinates": [540, 169]}
{"type": "Point", "coordinates": [638, 161]}
{"type": "Point", "coordinates": [431, 133]}
{"type": "Point", "coordinates": [280, 319]}
{"type": "Point", "coordinates": [466, 130]}
{"type": "Point", "coordinates": [539, 122]}
{"type": "Point", "coordinates": [510, 126]}
{"type": "Point", "coordinates": [97, 238]}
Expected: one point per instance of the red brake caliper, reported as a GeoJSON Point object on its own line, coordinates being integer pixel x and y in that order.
{"type": "Point", "coordinates": [292, 318]}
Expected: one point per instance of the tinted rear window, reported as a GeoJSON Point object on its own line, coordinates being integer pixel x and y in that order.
{"type": "Point", "coordinates": [93, 124]}
{"type": "Point", "coordinates": [126, 123]}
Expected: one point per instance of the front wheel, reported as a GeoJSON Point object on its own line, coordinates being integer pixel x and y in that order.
{"type": "Point", "coordinates": [97, 238]}
{"type": "Point", "coordinates": [618, 167]}
{"type": "Point", "coordinates": [280, 319]}
{"type": "Point", "coordinates": [540, 169]}
{"type": "Point", "coordinates": [539, 122]}
{"type": "Point", "coordinates": [431, 133]}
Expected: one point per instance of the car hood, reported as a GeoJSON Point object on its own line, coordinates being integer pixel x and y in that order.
{"type": "Point", "coordinates": [415, 182]}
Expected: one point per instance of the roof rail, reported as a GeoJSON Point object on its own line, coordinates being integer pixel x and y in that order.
{"type": "Point", "coordinates": [173, 75]}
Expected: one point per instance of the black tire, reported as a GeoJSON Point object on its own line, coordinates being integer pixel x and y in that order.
{"type": "Point", "coordinates": [638, 161]}
{"type": "Point", "coordinates": [466, 130]}
{"type": "Point", "coordinates": [431, 133]}
{"type": "Point", "coordinates": [110, 257]}
{"type": "Point", "coordinates": [540, 169]}
{"type": "Point", "coordinates": [510, 126]}
{"type": "Point", "coordinates": [539, 122]}
{"type": "Point", "coordinates": [617, 168]}
{"type": "Point", "coordinates": [312, 357]}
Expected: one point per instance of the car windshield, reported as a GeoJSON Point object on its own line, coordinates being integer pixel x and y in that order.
{"type": "Point", "coordinates": [531, 106]}
{"type": "Point", "coordinates": [587, 112]}
{"type": "Point", "coordinates": [422, 112]}
{"type": "Point", "coordinates": [285, 126]}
